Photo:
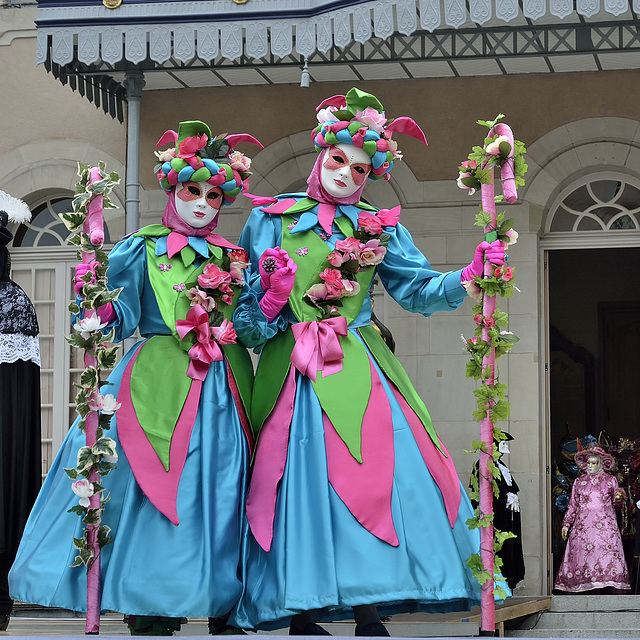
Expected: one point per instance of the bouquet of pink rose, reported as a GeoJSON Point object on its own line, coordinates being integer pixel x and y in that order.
{"type": "Point", "coordinates": [366, 249]}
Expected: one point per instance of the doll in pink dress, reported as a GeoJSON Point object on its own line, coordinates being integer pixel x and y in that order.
{"type": "Point", "coordinates": [594, 558]}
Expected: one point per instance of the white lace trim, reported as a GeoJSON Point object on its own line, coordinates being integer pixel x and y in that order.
{"type": "Point", "coordinates": [17, 346]}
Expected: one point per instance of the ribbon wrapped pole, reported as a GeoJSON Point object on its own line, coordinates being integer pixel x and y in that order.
{"type": "Point", "coordinates": [94, 227]}
{"type": "Point", "coordinates": [489, 303]}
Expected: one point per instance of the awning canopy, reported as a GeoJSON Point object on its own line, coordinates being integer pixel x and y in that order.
{"type": "Point", "coordinates": [200, 43]}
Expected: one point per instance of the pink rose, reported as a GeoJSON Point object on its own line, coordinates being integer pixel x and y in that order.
{"type": "Point", "coordinates": [239, 161]}
{"type": "Point", "coordinates": [371, 253]}
{"type": "Point", "coordinates": [225, 333]}
{"type": "Point", "coordinates": [349, 246]}
{"type": "Point", "coordinates": [198, 296]}
{"type": "Point", "coordinates": [317, 292]}
{"type": "Point", "coordinates": [369, 223]}
{"type": "Point", "coordinates": [190, 146]}
{"type": "Point", "coordinates": [236, 270]}
{"type": "Point", "coordinates": [336, 258]}
{"type": "Point", "coordinates": [351, 288]}
{"type": "Point", "coordinates": [478, 319]}
{"type": "Point", "coordinates": [512, 235]}
{"type": "Point", "coordinates": [497, 272]}
{"type": "Point", "coordinates": [372, 119]}
{"type": "Point", "coordinates": [332, 282]}
{"type": "Point", "coordinates": [212, 277]}
{"type": "Point", "coordinates": [489, 322]}
{"type": "Point", "coordinates": [507, 273]}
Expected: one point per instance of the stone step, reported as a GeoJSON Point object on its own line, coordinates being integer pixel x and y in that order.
{"type": "Point", "coordinates": [585, 620]}
{"type": "Point", "coordinates": [572, 633]}
{"type": "Point", "coordinates": [572, 603]}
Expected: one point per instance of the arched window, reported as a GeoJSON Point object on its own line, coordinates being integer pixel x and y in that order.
{"type": "Point", "coordinates": [603, 201]}
{"type": "Point", "coordinates": [46, 229]}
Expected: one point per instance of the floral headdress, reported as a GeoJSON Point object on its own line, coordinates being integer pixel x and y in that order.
{"type": "Point", "coordinates": [359, 119]}
{"type": "Point", "coordinates": [197, 157]}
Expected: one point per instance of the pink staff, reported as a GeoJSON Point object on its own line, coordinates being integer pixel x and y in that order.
{"type": "Point", "coordinates": [94, 228]}
{"type": "Point", "coordinates": [487, 603]}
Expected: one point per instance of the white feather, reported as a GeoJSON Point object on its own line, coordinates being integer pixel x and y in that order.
{"type": "Point", "coordinates": [17, 210]}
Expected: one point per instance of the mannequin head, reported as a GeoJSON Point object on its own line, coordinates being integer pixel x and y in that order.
{"type": "Point", "coordinates": [594, 465]}
{"type": "Point", "coordinates": [197, 203]}
{"type": "Point", "coordinates": [344, 170]}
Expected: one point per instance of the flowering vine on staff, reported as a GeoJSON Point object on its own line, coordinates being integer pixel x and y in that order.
{"type": "Point", "coordinates": [97, 459]}
{"type": "Point", "coordinates": [491, 338]}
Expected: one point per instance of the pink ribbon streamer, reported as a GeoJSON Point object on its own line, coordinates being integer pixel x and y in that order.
{"type": "Point", "coordinates": [205, 350]}
{"type": "Point", "coordinates": [318, 347]}
{"type": "Point", "coordinates": [268, 469]}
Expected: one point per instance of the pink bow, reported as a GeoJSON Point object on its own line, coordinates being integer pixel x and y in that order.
{"type": "Point", "coordinates": [205, 350]}
{"type": "Point", "coordinates": [318, 347]}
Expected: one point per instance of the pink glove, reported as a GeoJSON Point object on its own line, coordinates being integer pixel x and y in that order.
{"type": "Point", "coordinates": [106, 312]}
{"type": "Point", "coordinates": [494, 253]}
{"type": "Point", "coordinates": [81, 271]}
{"type": "Point", "coordinates": [277, 275]}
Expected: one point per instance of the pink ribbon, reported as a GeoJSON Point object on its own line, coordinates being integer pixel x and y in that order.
{"type": "Point", "coordinates": [205, 350]}
{"type": "Point", "coordinates": [318, 347]}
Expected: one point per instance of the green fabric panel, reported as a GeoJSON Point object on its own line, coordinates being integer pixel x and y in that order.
{"type": "Point", "coordinates": [155, 230]}
{"type": "Point", "coordinates": [270, 376]}
{"type": "Point", "coordinates": [172, 304]}
{"type": "Point", "coordinates": [302, 205]}
{"type": "Point", "coordinates": [158, 399]}
{"type": "Point", "coordinates": [242, 368]}
{"type": "Point", "coordinates": [344, 396]}
{"type": "Point", "coordinates": [392, 368]}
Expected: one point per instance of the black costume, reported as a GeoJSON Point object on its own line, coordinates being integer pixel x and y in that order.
{"type": "Point", "coordinates": [20, 453]}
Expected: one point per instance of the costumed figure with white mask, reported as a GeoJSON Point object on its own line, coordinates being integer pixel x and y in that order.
{"type": "Point", "coordinates": [20, 472]}
{"type": "Point", "coordinates": [354, 501]}
{"type": "Point", "coordinates": [506, 515]}
{"type": "Point", "coordinates": [182, 394]}
{"type": "Point", "coordinates": [594, 556]}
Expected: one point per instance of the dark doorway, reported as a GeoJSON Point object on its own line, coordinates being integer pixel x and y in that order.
{"type": "Point", "coordinates": [594, 375]}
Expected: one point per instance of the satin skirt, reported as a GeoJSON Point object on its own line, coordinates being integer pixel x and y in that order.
{"type": "Point", "coordinates": [152, 567]}
{"type": "Point", "coordinates": [322, 559]}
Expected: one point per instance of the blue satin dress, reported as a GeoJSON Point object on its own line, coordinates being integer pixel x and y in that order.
{"type": "Point", "coordinates": [153, 567]}
{"type": "Point", "coordinates": [321, 558]}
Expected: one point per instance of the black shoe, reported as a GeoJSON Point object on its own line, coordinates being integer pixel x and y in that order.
{"type": "Point", "coordinates": [312, 629]}
{"type": "Point", "coordinates": [4, 622]}
{"type": "Point", "coordinates": [372, 630]}
{"type": "Point", "coordinates": [219, 627]}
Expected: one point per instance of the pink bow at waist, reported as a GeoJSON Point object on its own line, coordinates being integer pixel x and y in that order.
{"type": "Point", "coordinates": [205, 350]}
{"type": "Point", "coordinates": [318, 347]}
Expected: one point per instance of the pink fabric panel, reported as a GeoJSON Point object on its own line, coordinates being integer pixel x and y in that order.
{"type": "Point", "coordinates": [270, 461]}
{"type": "Point", "coordinates": [160, 486]}
{"type": "Point", "coordinates": [366, 487]}
{"type": "Point", "coordinates": [440, 467]}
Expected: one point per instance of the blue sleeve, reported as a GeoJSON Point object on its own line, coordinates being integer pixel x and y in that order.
{"type": "Point", "coordinates": [412, 283]}
{"type": "Point", "coordinates": [262, 232]}
{"type": "Point", "coordinates": [127, 269]}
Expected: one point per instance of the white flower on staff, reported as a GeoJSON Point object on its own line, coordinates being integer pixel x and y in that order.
{"type": "Point", "coordinates": [84, 490]}
{"type": "Point", "coordinates": [86, 326]}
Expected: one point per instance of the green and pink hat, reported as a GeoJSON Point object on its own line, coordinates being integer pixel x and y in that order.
{"type": "Point", "coordinates": [198, 157]}
{"type": "Point", "coordinates": [358, 118]}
